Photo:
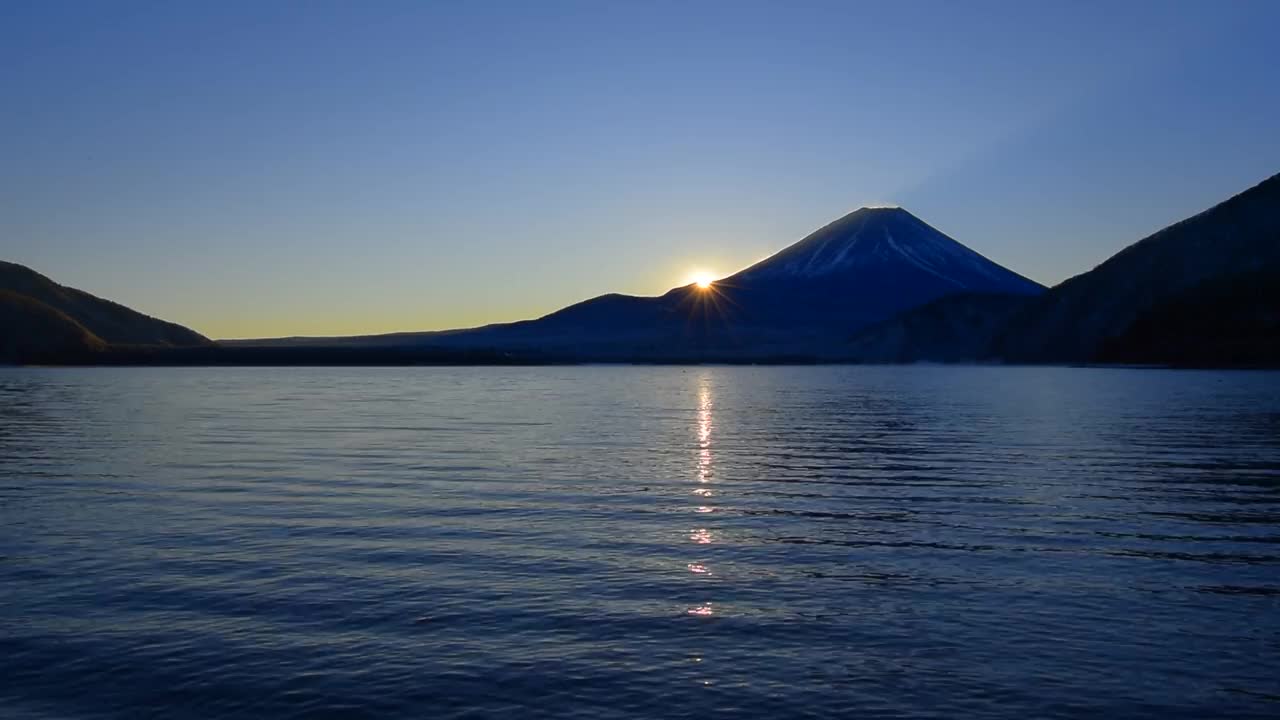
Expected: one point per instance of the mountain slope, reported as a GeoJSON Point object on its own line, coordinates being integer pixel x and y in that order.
{"type": "Point", "coordinates": [110, 322]}
{"type": "Point", "coordinates": [1071, 322]}
{"type": "Point", "coordinates": [30, 329]}
{"type": "Point", "coordinates": [1230, 320]}
{"type": "Point", "coordinates": [860, 269]}
{"type": "Point", "coordinates": [806, 299]}
{"type": "Point", "coordinates": [864, 268]}
{"type": "Point", "coordinates": [953, 329]}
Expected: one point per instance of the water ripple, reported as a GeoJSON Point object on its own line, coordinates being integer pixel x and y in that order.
{"type": "Point", "coordinates": [619, 542]}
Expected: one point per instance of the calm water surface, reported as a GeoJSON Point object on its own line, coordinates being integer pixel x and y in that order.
{"type": "Point", "coordinates": [613, 542]}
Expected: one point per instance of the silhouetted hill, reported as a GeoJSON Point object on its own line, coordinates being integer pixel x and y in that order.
{"type": "Point", "coordinates": [43, 321]}
{"type": "Point", "coordinates": [1231, 320]}
{"type": "Point", "coordinates": [953, 329]}
{"type": "Point", "coordinates": [111, 322]}
{"type": "Point", "coordinates": [878, 285]}
{"type": "Point", "coordinates": [1072, 321]}
{"type": "Point", "coordinates": [802, 301]}
{"type": "Point", "coordinates": [30, 328]}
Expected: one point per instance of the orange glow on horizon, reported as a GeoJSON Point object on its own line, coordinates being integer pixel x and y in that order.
{"type": "Point", "coordinates": [702, 279]}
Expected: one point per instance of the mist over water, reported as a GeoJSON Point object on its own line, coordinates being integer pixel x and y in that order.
{"type": "Point", "coordinates": [628, 542]}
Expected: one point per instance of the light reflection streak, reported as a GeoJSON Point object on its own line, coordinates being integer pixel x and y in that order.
{"type": "Point", "coordinates": [703, 474]}
{"type": "Point", "coordinates": [705, 426]}
{"type": "Point", "coordinates": [702, 536]}
{"type": "Point", "coordinates": [704, 609]}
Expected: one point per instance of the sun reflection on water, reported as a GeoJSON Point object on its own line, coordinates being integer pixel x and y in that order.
{"type": "Point", "coordinates": [705, 426]}
{"type": "Point", "coordinates": [703, 476]}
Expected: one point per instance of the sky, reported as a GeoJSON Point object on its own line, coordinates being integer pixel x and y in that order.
{"type": "Point", "coordinates": [261, 168]}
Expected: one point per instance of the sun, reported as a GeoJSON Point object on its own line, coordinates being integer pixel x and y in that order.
{"type": "Point", "coordinates": [702, 280]}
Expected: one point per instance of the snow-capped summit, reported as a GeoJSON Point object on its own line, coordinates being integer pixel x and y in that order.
{"type": "Point", "coordinates": [872, 240]}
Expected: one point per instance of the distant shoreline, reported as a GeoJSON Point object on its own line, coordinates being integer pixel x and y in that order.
{"type": "Point", "coordinates": [241, 356]}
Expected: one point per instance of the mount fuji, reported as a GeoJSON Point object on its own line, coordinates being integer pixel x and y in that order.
{"type": "Point", "coordinates": [865, 267]}
{"type": "Point", "coordinates": [804, 300]}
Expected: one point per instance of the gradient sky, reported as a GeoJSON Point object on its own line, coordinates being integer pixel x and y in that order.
{"type": "Point", "coordinates": [268, 168]}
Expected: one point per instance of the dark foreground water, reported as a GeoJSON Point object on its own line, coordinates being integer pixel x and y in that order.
{"type": "Point", "coordinates": [612, 542]}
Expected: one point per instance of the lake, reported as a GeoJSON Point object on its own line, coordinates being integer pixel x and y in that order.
{"type": "Point", "coordinates": [639, 542]}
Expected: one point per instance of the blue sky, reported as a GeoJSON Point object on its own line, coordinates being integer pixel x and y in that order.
{"type": "Point", "coordinates": [270, 168]}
